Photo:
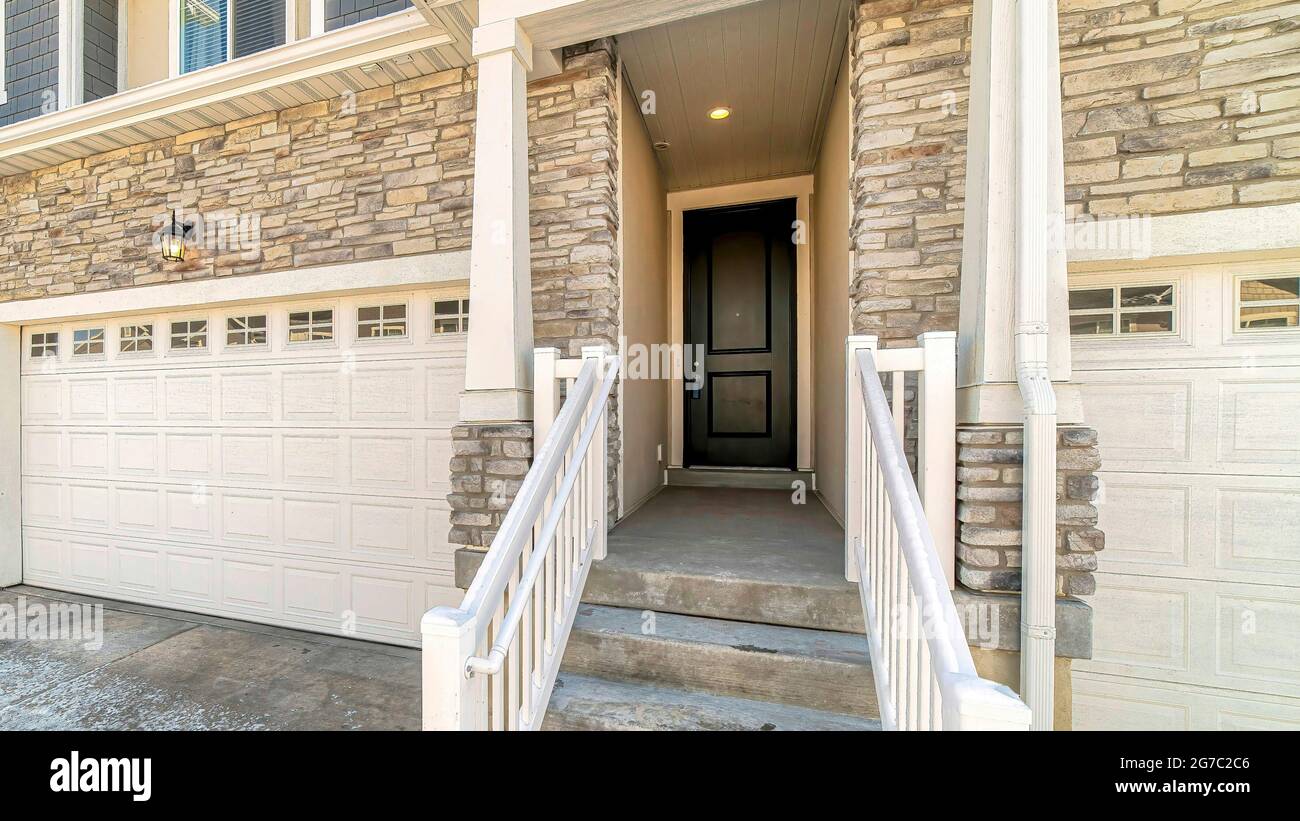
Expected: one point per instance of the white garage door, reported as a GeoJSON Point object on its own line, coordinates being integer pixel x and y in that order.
{"type": "Point", "coordinates": [285, 463]}
{"type": "Point", "coordinates": [1192, 378]}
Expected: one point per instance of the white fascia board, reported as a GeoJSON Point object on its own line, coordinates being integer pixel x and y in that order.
{"type": "Point", "coordinates": [352, 277]}
{"type": "Point", "coordinates": [368, 42]}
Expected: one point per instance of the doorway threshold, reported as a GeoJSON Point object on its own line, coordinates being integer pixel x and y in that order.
{"type": "Point", "coordinates": [739, 477]}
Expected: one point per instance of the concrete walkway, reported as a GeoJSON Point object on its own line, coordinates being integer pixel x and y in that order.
{"type": "Point", "coordinates": [166, 670]}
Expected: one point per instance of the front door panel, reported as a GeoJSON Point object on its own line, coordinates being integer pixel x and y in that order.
{"type": "Point", "coordinates": [740, 310]}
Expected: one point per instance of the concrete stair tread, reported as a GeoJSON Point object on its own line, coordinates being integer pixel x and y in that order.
{"type": "Point", "coordinates": [813, 669]}
{"type": "Point", "coordinates": [588, 703]}
{"type": "Point", "coordinates": [747, 637]}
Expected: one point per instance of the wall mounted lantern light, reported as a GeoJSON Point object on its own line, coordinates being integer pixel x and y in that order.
{"type": "Point", "coordinates": [172, 239]}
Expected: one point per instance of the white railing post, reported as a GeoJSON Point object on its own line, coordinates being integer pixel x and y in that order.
{"type": "Point", "coordinates": [599, 457]}
{"type": "Point", "coordinates": [936, 463]}
{"type": "Point", "coordinates": [983, 705]}
{"type": "Point", "coordinates": [546, 394]}
{"type": "Point", "coordinates": [855, 452]}
{"type": "Point", "coordinates": [452, 700]}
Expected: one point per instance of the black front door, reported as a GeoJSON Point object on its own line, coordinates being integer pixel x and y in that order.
{"type": "Point", "coordinates": [740, 265]}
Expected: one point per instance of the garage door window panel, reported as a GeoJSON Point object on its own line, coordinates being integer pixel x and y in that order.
{"type": "Point", "coordinates": [246, 332]}
{"type": "Point", "coordinates": [44, 344]}
{"type": "Point", "coordinates": [134, 339]}
{"type": "Point", "coordinates": [451, 316]}
{"type": "Point", "coordinates": [190, 335]}
{"type": "Point", "coordinates": [1268, 304]}
{"type": "Point", "coordinates": [382, 322]}
{"type": "Point", "coordinates": [1124, 310]}
{"type": "Point", "coordinates": [311, 326]}
{"type": "Point", "coordinates": [88, 342]}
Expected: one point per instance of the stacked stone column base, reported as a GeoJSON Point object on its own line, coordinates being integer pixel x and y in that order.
{"type": "Point", "coordinates": [989, 484]}
{"type": "Point", "coordinates": [488, 465]}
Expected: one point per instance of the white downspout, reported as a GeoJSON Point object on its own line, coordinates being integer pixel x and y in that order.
{"type": "Point", "coordinates": [1035, 38]}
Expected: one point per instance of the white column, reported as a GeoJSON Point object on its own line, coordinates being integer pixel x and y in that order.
{"type": "Point", "coordinates": [498, 377]}
{"type": "Point", "coordinates": [986, 374]}
{"type": "Point", "coordinates": [11, 543]}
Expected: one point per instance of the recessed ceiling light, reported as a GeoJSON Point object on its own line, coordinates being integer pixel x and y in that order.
{"type": "Point", "coordinates": [719, 113]}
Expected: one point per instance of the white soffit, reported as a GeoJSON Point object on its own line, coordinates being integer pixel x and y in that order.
{"type": "Point", "coordinates": [774, 64]}
{"type": "Point", "coordinates": [393, 48]}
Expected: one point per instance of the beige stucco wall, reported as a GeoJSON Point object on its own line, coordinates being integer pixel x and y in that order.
{"type": "Point", "coordinates": [146, 42]}
{"type": "Point", "coordinates": [830, 231]}
{"type": "Point", "coordinates": [645, 304]}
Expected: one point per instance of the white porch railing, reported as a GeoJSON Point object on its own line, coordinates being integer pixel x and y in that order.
{"type": "Point", "coordinates": [924, 675]}
{"type": "Point", "coordinates": [490, 664]}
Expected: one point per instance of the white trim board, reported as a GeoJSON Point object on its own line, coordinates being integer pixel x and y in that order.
{"type": "Point", "coordinates": [4, 97]}
{"type": "Point", "coordinates": [1229, 230]}
{"type": "Point", "coordinates": [422, 269]}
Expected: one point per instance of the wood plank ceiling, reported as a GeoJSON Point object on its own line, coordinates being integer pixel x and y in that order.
{"type": "Point", "coordinates": [774, 63]}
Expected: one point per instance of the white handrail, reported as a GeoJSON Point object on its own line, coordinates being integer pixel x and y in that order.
{"type": "Point", "coordinates": [924, 674]}
{"type": "Point", "coordinates": [510, 625]}
{"type": "Point", "coordinates": [491, 663]}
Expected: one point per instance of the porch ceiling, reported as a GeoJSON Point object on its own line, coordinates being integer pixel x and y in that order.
{"type": "Point", "coordinates": [774, 63]}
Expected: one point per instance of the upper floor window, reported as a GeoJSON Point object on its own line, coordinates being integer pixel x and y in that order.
{"type": "Point", "coordinates": [1268, 303]}
{"type": "Point", "coordinates": [88, 342]}
{"type": "Point", "coordinates": [214, 31]}
{"type": "Point", "coordinates": [381, 321]}
{"type": "Point", "coordinates": [46, 344]}
{"type": "Point", "coordinates": [1122, 310]}
{"type": "Point", "coordinates": [311, 326]}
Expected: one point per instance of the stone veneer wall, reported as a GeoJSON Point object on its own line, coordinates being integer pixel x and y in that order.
{"type": "Point", "coordinates": [488, 465]}
{"type": "Point", "coordinates": [910, 89]}
{"type": "Point", "coordinates": [328, 185]}
{"type": "Point", "coordinates": [573, 164]}
{"type": "Point", "coordinates": [1168, 106]}
{"type": "Point", "coordinates": [1180, 105]}
{"type": "Point", "coordinates": [989, 477]}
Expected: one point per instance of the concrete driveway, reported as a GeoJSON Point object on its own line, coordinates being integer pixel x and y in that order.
{"type": "Point", "coordinates": [166, 670]}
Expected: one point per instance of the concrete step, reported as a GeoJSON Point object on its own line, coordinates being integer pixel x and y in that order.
{"type": "Point", "coordinates": [759, 479]}
{"type": "Point", "coordinates": [816, 669]}
{"type": "Point", "coordinates": [817, 604]}
{"type": "Point", "coordinates": [589, 703]}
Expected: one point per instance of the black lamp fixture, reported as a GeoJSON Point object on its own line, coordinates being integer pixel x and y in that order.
{"type": "Point", "coordinates": [172, 239]}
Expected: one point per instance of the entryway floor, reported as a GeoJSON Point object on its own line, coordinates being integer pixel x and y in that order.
{"type": "Point", "coordinates": [765, 556]}
{"type": "Point", "coordinates": [733, 533]}
{"type": "Point", "coordinates": [161, 669]}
